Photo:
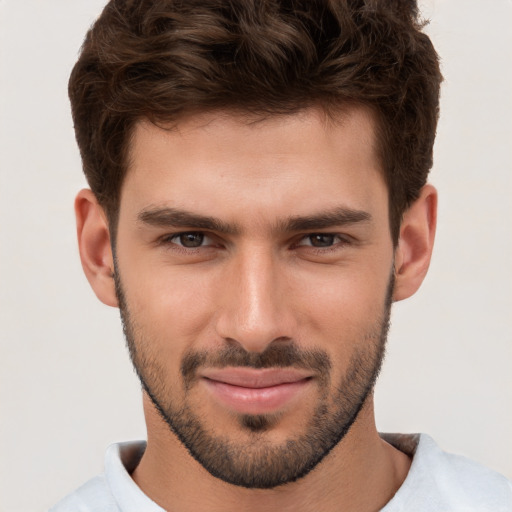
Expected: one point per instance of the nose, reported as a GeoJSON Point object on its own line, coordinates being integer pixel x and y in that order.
{"type": "Point", "coordinates": [253, 303]}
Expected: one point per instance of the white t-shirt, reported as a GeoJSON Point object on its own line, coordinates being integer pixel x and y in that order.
{"type": "Point", "coordinates": [436, 482]}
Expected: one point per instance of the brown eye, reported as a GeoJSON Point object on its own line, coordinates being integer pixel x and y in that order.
{"type": "Point", "coordinates": [322, 239]}
{"type": "Point", "coordinates": [190, 240]}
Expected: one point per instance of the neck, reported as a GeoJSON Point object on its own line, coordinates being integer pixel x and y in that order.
{"type": "Point", "coordinates": [362, 473]}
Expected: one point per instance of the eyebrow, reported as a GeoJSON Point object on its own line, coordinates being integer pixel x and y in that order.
{"type": "Point", "coordinates": [177, 218]}
{"type": "Point", "coordinates": [331, 218]}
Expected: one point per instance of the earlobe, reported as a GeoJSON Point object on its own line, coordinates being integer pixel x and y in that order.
{"type": "Point", "coordinates": [94, 245]}
{"type": "Point", "coordinates": [414, 250]}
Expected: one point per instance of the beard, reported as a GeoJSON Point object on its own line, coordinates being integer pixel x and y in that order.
{"type": "Point", "coordinates": [258, 462]}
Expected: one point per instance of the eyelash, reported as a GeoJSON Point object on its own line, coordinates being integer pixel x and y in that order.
{"type": "Point", "coordinates": [167, 240]}
{"type": "Point", "coordinates": [343, 241]}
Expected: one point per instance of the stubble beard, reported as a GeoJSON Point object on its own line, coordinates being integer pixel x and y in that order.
{"type": "Point", "coordinates": [259, 463]}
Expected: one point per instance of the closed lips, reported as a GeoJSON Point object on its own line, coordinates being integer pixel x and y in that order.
{"type": "Point", "coordinates": [255, 378]}
{"type": "Point", "coordinates": [255, 391]}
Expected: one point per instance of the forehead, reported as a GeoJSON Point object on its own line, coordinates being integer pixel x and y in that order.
{"type": "Point", "coordinates": [216, 131]}
{"type": "Point", "coordinates": [225, 162]}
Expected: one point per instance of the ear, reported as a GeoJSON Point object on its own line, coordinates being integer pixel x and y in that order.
{"type": "Point", "coordinates": [414, 250]}
{"type": "Point", "coordinates": [94, 245]}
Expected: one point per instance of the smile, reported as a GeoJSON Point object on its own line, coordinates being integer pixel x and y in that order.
{"type": "Point", "coordinates": [250, 391]}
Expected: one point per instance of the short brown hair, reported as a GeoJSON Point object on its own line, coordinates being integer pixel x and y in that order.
{"type": "Point", "coordinates": [163, 59]}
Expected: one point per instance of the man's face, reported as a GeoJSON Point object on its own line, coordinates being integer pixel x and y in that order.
{"type": "Point", "coordinates": [254, 275]}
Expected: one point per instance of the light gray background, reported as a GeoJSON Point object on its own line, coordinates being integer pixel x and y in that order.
{"type": "Point", "coordinates": [67, 389]}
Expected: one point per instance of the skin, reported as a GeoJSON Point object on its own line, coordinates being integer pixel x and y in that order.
{"type": "Point", "coordinates": [259, 284]}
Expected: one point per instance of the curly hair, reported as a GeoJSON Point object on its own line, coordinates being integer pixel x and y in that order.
{"type": "Point", "coordinates": [163, 59]}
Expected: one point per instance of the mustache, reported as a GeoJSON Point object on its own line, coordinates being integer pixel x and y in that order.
{"type": "Point", "coordinates": [277, 354]}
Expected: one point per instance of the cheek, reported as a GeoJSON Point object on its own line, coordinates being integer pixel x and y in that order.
{"type": "Point", "coordinates": [342, 308]}
{"type": "Point", "coordinates": [172, 309]}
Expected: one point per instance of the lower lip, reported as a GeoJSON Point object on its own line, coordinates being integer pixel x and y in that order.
{"type": "Point", "coordinates": [256, 400]}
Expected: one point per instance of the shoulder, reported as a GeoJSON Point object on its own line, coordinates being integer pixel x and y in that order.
{"type": "Point", "coordinates": [465, 479]}
{"type": "Point", "coordinates": [93, 496]}
{"type": "Point", "coordinates": [443, 481]}
{"type": "Point", "coordinates": [114, 490]}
